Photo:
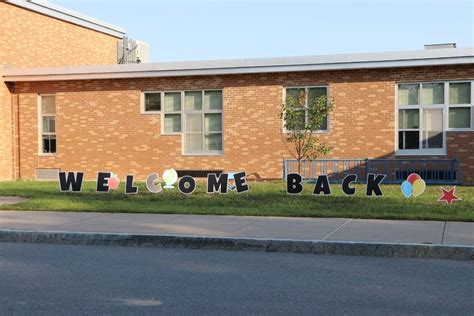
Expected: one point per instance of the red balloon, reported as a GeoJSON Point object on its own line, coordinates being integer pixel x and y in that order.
{"type": "Point", "coordinates": [413, 177]}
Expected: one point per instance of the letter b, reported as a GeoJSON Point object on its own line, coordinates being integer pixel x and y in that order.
{"type": "Point", "coordinates": [293, 183]}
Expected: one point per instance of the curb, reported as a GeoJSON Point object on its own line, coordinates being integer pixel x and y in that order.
{"type": "Point", "coordinates": [353, 248]}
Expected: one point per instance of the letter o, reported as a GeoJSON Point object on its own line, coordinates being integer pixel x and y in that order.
{"type": "Point", "coordinates": [189, 181]}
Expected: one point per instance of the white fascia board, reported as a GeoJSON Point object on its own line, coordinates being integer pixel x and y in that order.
{"type": "Point", "coordinates": [69, 16]}
{"type": "Point", "coordinates": [246, 66]}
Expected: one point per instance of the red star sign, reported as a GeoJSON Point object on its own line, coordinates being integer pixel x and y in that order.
{"type": "Point", "coordinates": [448, 196]}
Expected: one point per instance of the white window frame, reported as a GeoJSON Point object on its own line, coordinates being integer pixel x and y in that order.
{"type": "Point", "coordinates": [328, 120]}
{"type": "Point", "coordinates": [412, 129]}
{"type": "Point", "coordinates": [142, 103]}
{"type": "Point", "coordinates": [420, 107]}
{"type": "Point", "coordinates": [203, 113]}
{"type": "Point", "coordinates": [183, 113]}
{"type": "Point", "coordinates": [467, 105]}
{"type": "Point", "coordinates": [40, 125]}
{"type": "Point", "coordinates": [163, 112]}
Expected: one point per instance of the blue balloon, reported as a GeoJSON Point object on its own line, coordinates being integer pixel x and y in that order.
{"type": "Point", "coordinates": [407, 189]}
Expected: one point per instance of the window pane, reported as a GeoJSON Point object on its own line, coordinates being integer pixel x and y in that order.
{"type": "Point", "coordinates": [213, 122]}
{"type": "Point", "coordinates": [408, 94]}
{"type": "Point", "coordinates": [213, 142]}
{"type": "Point", "coordinates": [433, 139]}
{"type": "Point", "coordinates": [408, 119]}
{"type": "Point", "coordinates": [432, 128]}
{"type": "Point", "coordinates": [152, 101]}
{"type": "Point", "coordinates": [295, 120]}
{"type": "Point", "coordinates": [408, 140]}
{"type": "Point", "coordinates": [193, 142]}
{"type": "Point", "coordinates": [298, 94]}
{"type": "Point", "coordinates": [460, 117]}
{"type": "Point", "coordinates": [49, 125]}
{"type": "Point", "coordinates": [172, 101]}
{"type": "Point", "coordinates": [299, 122]}
{"type": "Point", "coordinates": [193, 100]}
{"type": "Point", "coordinates": [324, 125]}
{"type": "Point", "coordinates": [213, 100]}
{"type": "Point", "coordinates": [48, 104]}
{"type": "Point", "coordinates": [315, 93]}
{"type": "Point", "coordinates": [193, 123]}
{"type": "Point", "coordinates": [172, 123]}
{"type": "Point", "coordinates": [432, 93]}
{"type": "Point", "coordinates": [460, 93]}
{"type": "Point", "coordinates": [49, 144]}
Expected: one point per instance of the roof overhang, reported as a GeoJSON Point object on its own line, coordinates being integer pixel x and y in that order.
{"type": "Point", "coordinates": [70, 16]}
{"type": "Point", "coordinates": [422, 58]}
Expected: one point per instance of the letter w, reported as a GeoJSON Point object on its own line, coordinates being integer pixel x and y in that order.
{"type": "Point", "coordinates": [71, 181]}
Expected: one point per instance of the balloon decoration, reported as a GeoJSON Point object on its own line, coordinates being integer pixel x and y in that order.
{"type": "Point", "coordinates": [413, 186]}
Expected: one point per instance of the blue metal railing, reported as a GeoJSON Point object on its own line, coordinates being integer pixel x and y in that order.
{"type": "Point", "coordinates": [433, 171]}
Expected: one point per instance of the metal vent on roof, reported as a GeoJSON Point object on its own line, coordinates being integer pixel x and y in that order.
{"type": "Point", "coordinates": [47, 174]}
{"type": "Point", "coordinates": [130, 51]}
{"type": "Point", "coordinates": [442, 45]}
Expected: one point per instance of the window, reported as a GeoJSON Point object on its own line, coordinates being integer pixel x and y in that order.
{"type": "Point", "coordinates": [427, 110]}
{"type": "Point", "coordinates": [152, 102]}
{"type": "Point", "coordinates": [460, 105]}
{"type": "Point", "coordinates": [203, 122]}
{"type": "Point", "coordinates": [197, 115]}
{"type": "Point", "coordinates": [172, 113]}
{"type": "Point", "coordinates": [408, 94]}
{"type": "Point", "coordinates": [47, 124]}
{"type": "Point", "coordinates": [409, 129]}
{"type": "Point", "coordinates": [432, 133]}
{"type": "Point", "coordinates": [305, 95]}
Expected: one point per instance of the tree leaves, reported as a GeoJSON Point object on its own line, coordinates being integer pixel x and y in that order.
{"type": "Point", "coordinates": [301, 123]}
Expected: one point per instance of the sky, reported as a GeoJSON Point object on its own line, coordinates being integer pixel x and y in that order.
{"type": "Point", "coordinates": [211, 29]}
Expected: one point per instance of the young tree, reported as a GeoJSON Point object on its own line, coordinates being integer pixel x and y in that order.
{"type": "Point", "coordinates": [301, 119]}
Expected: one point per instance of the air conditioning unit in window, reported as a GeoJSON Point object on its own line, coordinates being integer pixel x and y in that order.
{"type": "Point", "coordinates": [130, 51]}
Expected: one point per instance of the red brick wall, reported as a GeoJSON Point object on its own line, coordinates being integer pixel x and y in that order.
{"type": "Point", "coordinates": [99, 125]}
{"type": "Point", "coordinates": [461, 146]}
{"type": "Point", "coordinates": [29, 39]}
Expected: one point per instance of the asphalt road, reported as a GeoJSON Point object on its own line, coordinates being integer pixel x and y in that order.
{"type": "Point", "coordinates": [60, 279]}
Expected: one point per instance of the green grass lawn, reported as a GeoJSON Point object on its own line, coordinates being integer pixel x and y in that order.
{"type": "Point", "coordinates": [263, 199]}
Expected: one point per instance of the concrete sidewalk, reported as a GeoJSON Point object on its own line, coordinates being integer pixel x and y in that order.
{"type": "Point", "coordinates": [313, 229]}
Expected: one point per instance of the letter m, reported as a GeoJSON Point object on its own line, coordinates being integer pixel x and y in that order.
{"type": "Point", "coordinates": [71, 181]}
{"type": "Point", "coordinates": [215, 184]}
